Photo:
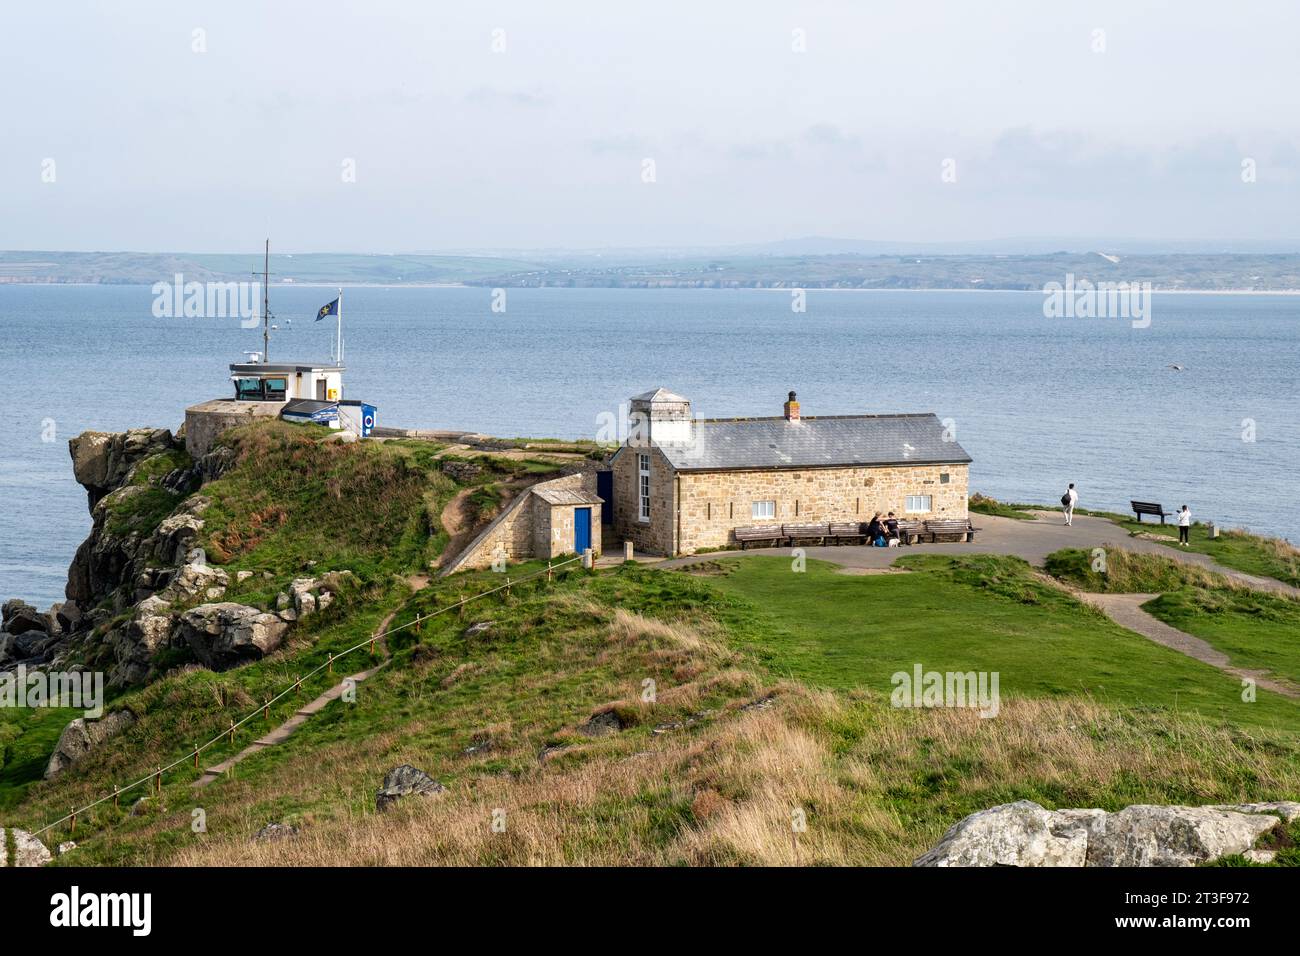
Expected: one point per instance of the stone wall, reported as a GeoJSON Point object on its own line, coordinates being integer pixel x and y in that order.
{"type": "Point", "coordinates": [525, 529]}
{"type": "Point", "coordinates": [655, 536]}
{"type": "Point", "coordinates": [714, 503]}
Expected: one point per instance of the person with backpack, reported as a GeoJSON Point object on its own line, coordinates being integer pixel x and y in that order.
{"type": "Point", "coordinates": [1184, 527]}
{"type": "Point", "coordinates": [1068, 501]}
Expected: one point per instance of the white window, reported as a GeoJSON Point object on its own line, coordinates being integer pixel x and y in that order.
{"type": "Point", "coordinates": [918, 504]}
{"type": "Point", "coordinates": [763, 509]}
{"type": "Point", "coordinates": [643, 474]}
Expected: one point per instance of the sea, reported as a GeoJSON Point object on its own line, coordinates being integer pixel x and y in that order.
{"type": "Point", "coordinates": [1197, 407]}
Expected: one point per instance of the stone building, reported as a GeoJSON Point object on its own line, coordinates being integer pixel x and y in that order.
{"type": "Point", "coordinates": [547, 520]}
{"type": "Point", "coordinates": [681, 484]}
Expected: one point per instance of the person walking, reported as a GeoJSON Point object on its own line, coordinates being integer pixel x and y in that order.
{"type": "Point", "coordinates": [1068, 501]}
{"type": "Point", "coordinates": [1184, 527]}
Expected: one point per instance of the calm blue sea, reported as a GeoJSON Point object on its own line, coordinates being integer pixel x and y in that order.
{"type": "Point", "coordinates": [1038, 402]}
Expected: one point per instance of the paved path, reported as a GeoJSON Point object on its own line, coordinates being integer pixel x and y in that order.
{"type": "Point", "coordinates": [1126, 611]}
{"type": "Point", "coordinates": [284, 731]}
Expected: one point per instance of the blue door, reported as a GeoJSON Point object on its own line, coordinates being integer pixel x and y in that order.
{"type": "Point", "coordinates": [581, 529]}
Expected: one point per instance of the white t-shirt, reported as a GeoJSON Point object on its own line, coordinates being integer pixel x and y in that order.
{"type": "Point", "coordinates": [1184, 519]}
{"type": "Point", "coordinates": [1073, 496]}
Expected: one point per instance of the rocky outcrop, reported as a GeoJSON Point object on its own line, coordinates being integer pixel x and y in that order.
{"type": "Point", "coordinates": [402, 782]}
{"type": "Point", "coordinates": [227, 634]}
{"type": "Point", "coordinates": [29, 850]}
{"type": "Point", "coordinates": [110, 560]}
{"type": "Point", "coordinates": [102, 461]}
{"type": "Point", "coordinates": [82, 736]}
{"type": "Point", "coordinates": [19, 617]}
{"type": "Point", "coordinates": [1025, 834]}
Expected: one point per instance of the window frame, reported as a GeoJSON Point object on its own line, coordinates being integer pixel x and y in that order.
{"type": "Point", "coordinates": [643, 487]}
{"type": "Point", "coordinates": [909, 510]}
{"type": "Point", "coordinates": [753, 510]}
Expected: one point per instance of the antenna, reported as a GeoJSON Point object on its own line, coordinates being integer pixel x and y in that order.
{"type": "Point", "coordinates": [266, 301]}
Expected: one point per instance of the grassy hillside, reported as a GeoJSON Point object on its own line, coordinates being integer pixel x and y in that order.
{"type": "Point", "coordinates": [729, 698]}
{"type": "Point", "coordinates": [709, 773]}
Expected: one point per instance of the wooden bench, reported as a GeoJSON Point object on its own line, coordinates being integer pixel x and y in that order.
{"type": "Point", "coordinates": [806, 532]}
{"type": "Point", "coordinates": [762, 532]}
{"type": "Point", "coordinates": [841, 531]}
{"type": "Point", "coordinates": [960, 528]}
{"type": "Point", "coordinates": [1141, 508]}
{"type": "Point", "coordinates": [910, 532]}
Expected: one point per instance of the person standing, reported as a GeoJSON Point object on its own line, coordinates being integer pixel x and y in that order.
{"type": "Point", "coordinates": [1184, 527]}
{"type": "Point", "coordinates": [1068, 501]}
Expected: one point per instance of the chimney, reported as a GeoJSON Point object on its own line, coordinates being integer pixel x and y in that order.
{"type": "Point", "coordinates": [792, 409]}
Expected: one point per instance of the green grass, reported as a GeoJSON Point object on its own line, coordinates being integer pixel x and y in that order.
{"type": "Point", "coordinates": [1126, 572]}
{"type": "Point", "coordinates": [27, 738]}
{"type": "Point", "coordinates": [980, 613]}
{"type": "Point", "coordinates": [1256, 630]}
{"type": "Point", "coordinates": [1239, 550]}
{"type": "Point", "coordinates": [984, 505]}
{"type": "Point", "coordinates": [367, 507]}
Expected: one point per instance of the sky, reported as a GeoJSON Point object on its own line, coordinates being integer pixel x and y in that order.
{"type": "Point", "coordinates": [391, 126]}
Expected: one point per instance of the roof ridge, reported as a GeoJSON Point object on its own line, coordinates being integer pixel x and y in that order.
{"type": "Point", "coordinates": [814, 418]}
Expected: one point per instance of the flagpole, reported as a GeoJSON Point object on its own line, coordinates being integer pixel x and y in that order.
{"type": "Point", "coordinates": [340, 332]}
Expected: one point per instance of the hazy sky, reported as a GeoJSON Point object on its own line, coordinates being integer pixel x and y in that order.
{"type": "Point", "coordinates": [159, 147]}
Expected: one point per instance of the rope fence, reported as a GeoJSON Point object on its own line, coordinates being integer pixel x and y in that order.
{"type": "Point", "coordinates": [265, 709]}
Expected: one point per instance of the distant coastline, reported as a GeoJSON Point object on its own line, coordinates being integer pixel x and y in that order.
{"type": "Point", "coordinates": [1165, 273]}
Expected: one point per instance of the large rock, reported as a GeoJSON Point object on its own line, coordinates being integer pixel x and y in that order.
{"type": "Point", "coordinates": [224, 635]}
{"type": "Point", "coordinates": [403, 781]}
{"type": "Point", "coordinates": [1025, 834]}
{"type": "Point", "coordinates": [82, 736]}
{"type": "Point", "coordinates": [30, 851]}
{"type": "Point", "coordinates": [134, 644]}
{"type": "Point", "coordinates": [102, 461]}
{"type": "Point", "coordinates": [20, 617]}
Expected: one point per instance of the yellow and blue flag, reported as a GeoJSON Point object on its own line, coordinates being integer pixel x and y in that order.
{"type": "Point", "coordinates": [331, 309]}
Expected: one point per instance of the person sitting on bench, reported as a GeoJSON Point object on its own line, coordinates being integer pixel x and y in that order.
{"type": "Point", "coordinates": [875, 530]}
{"type": "Point", "coordinates": [891, 530]}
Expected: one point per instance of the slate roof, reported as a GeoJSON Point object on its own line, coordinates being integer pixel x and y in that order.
{"type": "Point", "coordinates": [566, 496]}
{"type": "Point", "coordinates": [748, 443]}
{"type": "Point", "coordinates": [659, 395]}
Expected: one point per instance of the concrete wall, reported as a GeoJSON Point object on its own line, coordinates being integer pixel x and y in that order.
{"type": "Point", "coordinates": [205, 422]}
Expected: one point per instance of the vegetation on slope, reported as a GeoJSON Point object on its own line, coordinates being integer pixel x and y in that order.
{"type": "Point", "coordinates": [709, 773]}
{"type": "Point", "coordinates": [1256, 630]}
{"type": "Point", "coordinates": [1128, 572]}
{"type": "Point", "coordinates": [1233, 548]}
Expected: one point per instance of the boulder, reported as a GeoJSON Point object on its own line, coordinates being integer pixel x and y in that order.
{"type": "Point", "coordinates": [29, 851]}
{"type": "Point", "coordinates": [69, 616]}
{"type": "Point", "coordinates": [195, 579]}
{"type": "Point", "coordinates": [1025, 834]}
{"type": "Point", "coordinates": [1015, 834]}
{"type": "Point", "coordinates": [20, 617]}
{"type": "Point", "coordinates": [601, 725]}
{"type": "Point", "coordinates": [82, 736]}
{"type": "Point", "coordinates": [135, 644]}
{"type": "Point", "coordinates": [275, 831]}
{"type": "Point", "coordinates": [403, 781]}
{"type": "Point", "coordinates": [224, 635]}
